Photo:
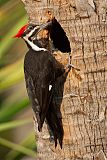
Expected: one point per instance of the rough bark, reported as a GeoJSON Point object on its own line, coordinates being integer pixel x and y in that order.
{"type": "Point", "coordinates": [84, 104]}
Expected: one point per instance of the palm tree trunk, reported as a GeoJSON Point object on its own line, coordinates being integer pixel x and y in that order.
{"type": "Point", "coordinates": [84, 104]}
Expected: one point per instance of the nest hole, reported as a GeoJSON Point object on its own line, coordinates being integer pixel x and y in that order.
{"type": "Point", "coordinates": [59, 37]}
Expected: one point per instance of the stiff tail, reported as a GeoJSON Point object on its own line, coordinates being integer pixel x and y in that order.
{"type": "Point", "coordinates": [55, 125]}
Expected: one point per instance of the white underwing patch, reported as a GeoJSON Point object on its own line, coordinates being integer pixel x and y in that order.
{"type": "Point", "coordinates": [50, 87]}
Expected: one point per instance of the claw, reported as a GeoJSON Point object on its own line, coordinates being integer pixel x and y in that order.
{"type": "Point", "coordinates": [69, 65]}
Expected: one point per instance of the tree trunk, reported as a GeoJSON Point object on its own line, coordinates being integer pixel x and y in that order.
{"type": "Point", "coordinates": [84, 104]}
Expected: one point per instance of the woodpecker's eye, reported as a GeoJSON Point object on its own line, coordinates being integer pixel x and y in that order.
{"type": "Point", "coordinates": [30, 27]}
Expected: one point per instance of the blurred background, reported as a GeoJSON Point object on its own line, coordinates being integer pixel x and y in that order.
{"type": "Point", "coordinates": [17, 141]}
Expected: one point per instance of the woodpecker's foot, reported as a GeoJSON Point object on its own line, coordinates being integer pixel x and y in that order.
{"type": "Point", "coordinates": [72, 66]}
{"type": "Point", "coordinates": [69, 66]}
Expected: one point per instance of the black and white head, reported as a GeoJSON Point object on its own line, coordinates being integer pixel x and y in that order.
{"type": "Point", "coordinates": [28, 31]}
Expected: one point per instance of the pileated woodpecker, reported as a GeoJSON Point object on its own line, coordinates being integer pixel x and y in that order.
{"type": "Point", "coordinates": [41, 72]}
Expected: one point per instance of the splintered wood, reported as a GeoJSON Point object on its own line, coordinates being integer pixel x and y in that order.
{"type": "Point", "coordinates": [84, 104]}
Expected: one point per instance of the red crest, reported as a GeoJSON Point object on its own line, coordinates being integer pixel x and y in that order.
{"type": "Point", "coordinates": [21, 31]}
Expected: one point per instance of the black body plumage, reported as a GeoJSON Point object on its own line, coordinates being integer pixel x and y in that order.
{"type": "Point", "coordinates": [40, 72]}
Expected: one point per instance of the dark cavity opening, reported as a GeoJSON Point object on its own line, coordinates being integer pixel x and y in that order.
{"type": "Point", "coordinates": [59, 37]}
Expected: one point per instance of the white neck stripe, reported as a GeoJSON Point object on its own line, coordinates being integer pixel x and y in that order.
{"type": "Point", "coordinates": [30, 33]}
{"type": "Point", "coordinates": [33, 46]}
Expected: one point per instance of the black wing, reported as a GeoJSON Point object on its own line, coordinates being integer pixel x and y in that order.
{"type": "Point", "coordinates": [38, 91]}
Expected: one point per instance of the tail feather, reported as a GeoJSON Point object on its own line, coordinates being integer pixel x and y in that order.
{"type": "Point", "coordinates": [55, 125]}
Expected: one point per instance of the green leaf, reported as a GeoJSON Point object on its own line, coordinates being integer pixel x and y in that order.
{"type": "Point", "coordinates": [17, 147]}
{"type": "Point", "coordinates": [14, 124]}
{"type": "Point", "coordinates": [3, 2]}
{"type": "Point", "coordinates": [11, 75]}
{"type": "Point", "coordinates": [10, 69]}
{"type": "Point", "coordinates": [6, 13]}
{"type": "Point", "coordinates": [28, 142]}
{"type": "Point", "coordinates": [7, 113]}
{"type": "Point", "coordinates": [8, 40]}
{"type": "Point", "coordinates": [12, 79]}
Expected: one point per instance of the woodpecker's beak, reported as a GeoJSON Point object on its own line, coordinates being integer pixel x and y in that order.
{"type": "Point", "coordinates": [44, 26]}
{"type": "Point", "coordinates": [37, 29]}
